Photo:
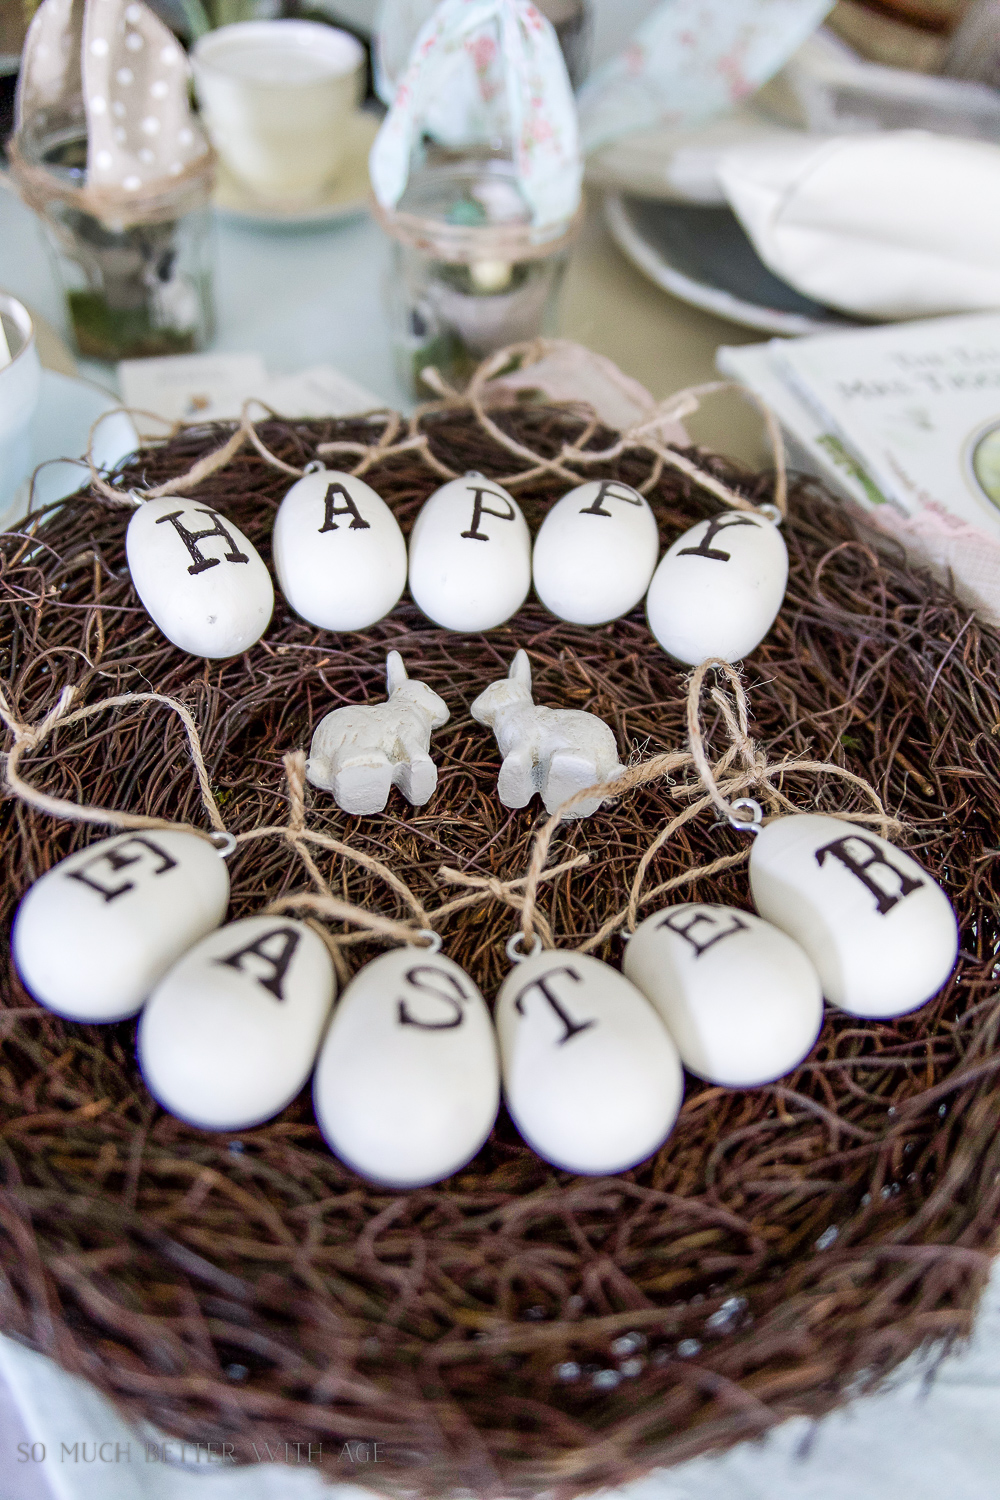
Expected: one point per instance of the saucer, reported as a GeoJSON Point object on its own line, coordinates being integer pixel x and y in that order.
{"type": "Point", "coordinates": [67, 410]}
{"type": "Point", "coordinates": [344, 198]}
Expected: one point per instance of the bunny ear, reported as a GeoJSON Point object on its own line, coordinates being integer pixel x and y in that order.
{"type": "Point", "coordinates": [395, 672]}
{"type": "Point", "coordinates": [520, 671]}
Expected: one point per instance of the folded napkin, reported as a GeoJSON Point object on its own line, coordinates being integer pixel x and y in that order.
{"type": "Point", "coordinates": [899, 224]}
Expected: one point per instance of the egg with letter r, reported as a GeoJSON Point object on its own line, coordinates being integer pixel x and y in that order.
{"type": "Point", "coordinates": [592, 1079]}
{"type": "Point", "coordinates": [339, 554]}
{"type": "Point", "coordinates": [230, 1034]}
{"type": "Point", "coordinates": [595, 553]}
{"type": "Point", "coordinates": [407, 1085]}
{"type": "Point", "coordinates": [470, 555]}
{"type": "Point", "coordinates": [95, 934]}
{"type": "Point", "coordinates": [878, 928]}
{"type": "Point", "coordinates": [719, 588]}
{"type": "Point", "coordinates": [739, 997]}
{"type": "Point", "coordinates": [204, 584]}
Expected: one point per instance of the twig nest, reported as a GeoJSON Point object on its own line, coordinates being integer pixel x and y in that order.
{"type": "Point", "coordinates": [718, 590]}
{"type": "Point", "coordinates": [231, 1034]}
{"type": "Point", "coordinates": [595, 553]}
{"type": "Point", "coordinates": [339, 554]}
{"type": "Point", "coordinates": [880, 931]}
{"type": "Point", "coordinates": [96, 933]}
{"type": "Point", "coordinates": [470, 555]}
{"type": "Point", "coordinates": [408, 1083]}
{"type": "Point", "coordinates": [739, 997]}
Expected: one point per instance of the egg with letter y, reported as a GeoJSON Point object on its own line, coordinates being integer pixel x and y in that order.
{"type": "Point", "coordinates": [470, 555]}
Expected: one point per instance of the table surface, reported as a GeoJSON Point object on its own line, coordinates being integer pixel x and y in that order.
{"type": "Point", "coordinates": [307, 297]}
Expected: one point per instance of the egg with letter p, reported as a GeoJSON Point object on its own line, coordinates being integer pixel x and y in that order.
{"type": "Point", "coordinates": [408, 1084]}
{"type": "Point", "coordinates": [470, 555]}
{"type": "Point", "coordinates": [879, 929]}
{"type": "Point", "coordinates": [595, 553]}
{"type": "Point", "coordinates": [203, 583]}
{"type": "Point", "coordinates": [719, 588]}
{"type": "Point", "coordinates": [338, 552]}
{"type": "Point", "coordinates": [592, 1079]}
{"type": "Point", "coordinates": [231, 1033]}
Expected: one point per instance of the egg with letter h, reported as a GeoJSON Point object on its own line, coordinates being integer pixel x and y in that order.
{"type": "Point", "coordinates": [595, 553]}
{"type": "Point", "coordinates": [470, 555]}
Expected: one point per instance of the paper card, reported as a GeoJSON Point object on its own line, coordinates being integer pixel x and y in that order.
{"type": "Point", "coordinates": [190, 387]}
{"type": "Point", "coordinates": [320, 391]}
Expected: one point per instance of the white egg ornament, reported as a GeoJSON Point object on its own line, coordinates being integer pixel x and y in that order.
{"type": "Point", "coordinates": [96, 933]}
{"type": "Point", "coordinates": [204, 585]}
{"type": "Point", "coordinates": [230, 1035]}
{"type": "Point", "coordinates": [592, 1079]}
{"type": "Point", "coordinates": [741, 1000]}
{"type": "Point", "coordinates": [407, 1085]}
{"type": "Point", "coordinates": [595, 553]}
{"type": "Point", "coordinates": [339, 554]}
{"type": "Point", "coordinates": [470, 555]}
{"type": "Point", "coordinates": [880, 931]}
{"type": "Point", "coordinates": [719, 588]}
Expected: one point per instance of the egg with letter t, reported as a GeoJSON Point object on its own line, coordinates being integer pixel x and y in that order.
{"type": "Point", "coordinates": [470, 555]}
{"type": "Point", "coordinates": [879, 929]}
{"type": "Point", "coordinates": [204, 584]}
{"type": "Point", "coordinates": [231, 1033]}
{"type": "Point", "coordinates": [591, 1077]}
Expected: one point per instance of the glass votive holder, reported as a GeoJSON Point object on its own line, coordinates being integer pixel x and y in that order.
{"type": "Point", "coordinates": [470, 272]}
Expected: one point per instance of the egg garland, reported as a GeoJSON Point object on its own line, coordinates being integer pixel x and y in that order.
{"type": "Point", "coordinates": [202, 582]}
{"type": "Point", "coordinates": [595, 553]}
{"type": "Point", "coordinates": [407, 1085]}
{"type": "Point", "coordinates": [339, 555]}
{"type": "Point", "coordinates": [95, 934]}
{"type": "Point", "coordinates": [470, 555]}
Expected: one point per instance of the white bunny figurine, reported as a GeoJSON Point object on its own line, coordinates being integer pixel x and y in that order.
{"type": "Point", "coordinates": [359, 753]}
{"type": "Point", "coordinates": [555, 751]}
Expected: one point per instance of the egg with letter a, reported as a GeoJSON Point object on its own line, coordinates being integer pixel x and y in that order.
{"type": "Point", "coordinates": [879, 929]}
{"type": "Point", "coordinates": [203, 583]}
{"type": "Point", "coordinates": [719, 588]}
{"type": "Point", "coordinates": [470, 555]}
{"type": "Point", "coordinates": [96, 933]}
{"type": "Point", "coordinates": [408, 1084]}
{"type": "Point", "coordinates": [339, 554]}
{"type": "Point", "coordinates": [739, 997]}
{"type": "Point", "coordinates": [230, 1034]}
{"type": "Point", "coordinates": [591, 1077]}
{"type": "Point", "coordinates": [595, 553]}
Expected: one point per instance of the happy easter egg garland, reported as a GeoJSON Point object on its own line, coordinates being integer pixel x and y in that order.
{"type": "Point", "coordinates": [689, 1320]}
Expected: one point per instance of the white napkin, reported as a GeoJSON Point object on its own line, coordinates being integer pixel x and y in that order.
{"type": "Point", "coordinates": [899, 224]}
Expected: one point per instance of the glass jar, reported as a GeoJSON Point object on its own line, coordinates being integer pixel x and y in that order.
{"type": "Point", "coordinates": [470, 272]}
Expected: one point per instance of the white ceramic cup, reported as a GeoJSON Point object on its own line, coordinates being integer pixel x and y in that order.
{"type": "Point", "coordinates": [277, 97]}
{"type": "Point", "coordinates": [20, 384]}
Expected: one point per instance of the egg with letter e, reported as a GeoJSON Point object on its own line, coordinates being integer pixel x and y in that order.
{"type": "Point", "coordinates": [719, 588]}
{"type": "Point", "coordinates": [203, 583]}
{"type": "Point", "coordinates": [592, 1079]}
{"type": "Point", "coordinates": [95, 934]}
{"type": "Point", "coordinates": [339, 554]}
{"type": "Point", "coordinates": [230, 1035]}
{"type": "Point", "coordinates": [407, 1085]}
{"type": "Point", "coordinates": [470, 555]}
{"type": "Point", "coordinates": [739, 997]}
{"type": "Point", "coordinates": [880, 931]}
{"type": "Point", "coordinates": [595, 553]}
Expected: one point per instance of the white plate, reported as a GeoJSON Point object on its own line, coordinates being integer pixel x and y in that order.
{"type": "Point", "coordinates": [344, 199]}
{"type": "Point", "coordinates": [701, 254]}
{"type": "Point", "coordinates": [60, 430]}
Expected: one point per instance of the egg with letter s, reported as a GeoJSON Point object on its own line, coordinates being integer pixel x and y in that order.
{"type": "Point", "coordinates": [595, 553]}
{"type": "Point", "coordinates": [591, 1077]}
{"type": "Point", "coordinates": [739, 997]}
{"type": "Point", "coordinates": [204, 584]}
{"type": "Point", "coordinates": [339, 554]}
{"type": "Point", "coordinates": [878, 928]}
{"type": "Point", "coordinates": [230, 1034]}
{"type": "Point", "coordinates": [95, 934]}
{"type": "Point", "coordinates": [407, 1085]}
{"type": "Point", "coordinates": [719, 588]}
{"type": "Point", "coordinates": [470, 555]}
